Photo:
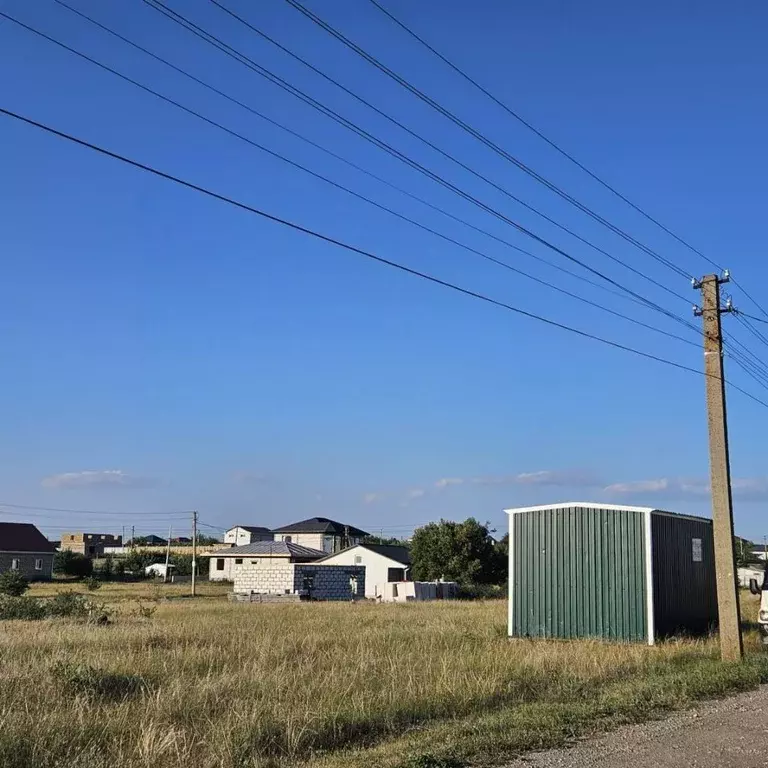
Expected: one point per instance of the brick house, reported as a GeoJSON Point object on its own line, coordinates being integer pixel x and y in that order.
{"type": "Point", "coordinates": [24, 549]}
{"type": "Point", "coordinates": [90, 544]}
{"type": "Point", "coordinates": [268, 555]}
{"type": "Point", "coordinates": [285, 568]}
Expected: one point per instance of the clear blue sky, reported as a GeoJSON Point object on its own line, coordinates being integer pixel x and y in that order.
{"type": "Point", "coordinates": [162, 351]}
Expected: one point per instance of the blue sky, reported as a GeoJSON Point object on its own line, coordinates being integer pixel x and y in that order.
{"type": "Point", "coordinates": [164, 352]}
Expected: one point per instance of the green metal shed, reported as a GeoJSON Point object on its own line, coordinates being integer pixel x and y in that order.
{"type": "Point", "coordinates": [581, 569]}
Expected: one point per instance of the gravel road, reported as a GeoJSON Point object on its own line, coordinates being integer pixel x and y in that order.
{"type": "Point", "coordinates": [732, 733]}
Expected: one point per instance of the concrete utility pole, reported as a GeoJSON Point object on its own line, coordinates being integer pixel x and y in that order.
{"type": "Point", "coordinates": [731, 647]}
{"type": "Point", "coordinates": [194, 554]}
{"type": "Point", "coordinates": [167, 553]}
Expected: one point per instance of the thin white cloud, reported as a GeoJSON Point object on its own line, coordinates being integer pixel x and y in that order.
{"type": "Point", "coordinates": [542, 477]}
{"type": "Point", "coordinates": [746, 488]}
{"type": "Point", "coordinates": [445, 482]}
{"type": "Point", "coordinates": [104, 478]}
{"type": "Point", "coordinates": [371, 498]}
{"type": "Point", "coordinates": [415, 493]}
{"type": "Point", "coordinates": [247, 477]}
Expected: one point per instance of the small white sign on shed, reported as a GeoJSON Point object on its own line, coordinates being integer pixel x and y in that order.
{"type": "Point", "coordinates": [698, 552]}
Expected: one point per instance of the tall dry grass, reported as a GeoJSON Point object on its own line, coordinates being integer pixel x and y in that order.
{"type": "Point", "coordinates": [215, 685]}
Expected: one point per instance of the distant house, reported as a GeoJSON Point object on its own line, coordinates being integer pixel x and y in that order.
{"type": "Point", "coordinates": [383, 564]}
{"type": "Point", "coordinates": [153, 541]}
{"type": "Point", "coordinates": [89, 544]}
{"type": "Point", "coordinates": [285, 568]}
{"type": "Point", "coordinates": [320, 533]}
{"type": "Point", "coordinates": [269, 554]}
{"type": "Point", "coordinates": [24, 549]}
{"type": "Point", "coordinates": [240, 535]}
{"type": "Point", "coordinates": [181, 540]}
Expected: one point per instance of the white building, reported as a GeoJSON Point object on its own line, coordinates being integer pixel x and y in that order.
{"type": "Point", "coordinates": [224, 563]}
{"type": "Point", "coordinates": [240, 535]}
{"type": "Point", "coordinates": [383, 564]}
{"type": "Point", "coordinates": [320, 533]}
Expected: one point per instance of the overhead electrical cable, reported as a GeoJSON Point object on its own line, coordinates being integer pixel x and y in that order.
{"type": "Point", "coordinates": [354, 249]}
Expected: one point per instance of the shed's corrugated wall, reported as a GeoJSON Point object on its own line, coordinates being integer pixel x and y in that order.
{"type": "Point", "coordinates": [578, 572]}
{"type": "Point", "coordinates": [684, 591]}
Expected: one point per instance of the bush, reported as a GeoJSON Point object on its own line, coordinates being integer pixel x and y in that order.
{"type": "Point", "coordinates": [21, 608]}
{"type": "Point", "coordinates": [92, 584]}
{"type": "Point", "coordinates": [70, 563]}
{"type": "Point", "coordinates": [71, 605]}
{"type": "Point", "coordinates": [12, 583]}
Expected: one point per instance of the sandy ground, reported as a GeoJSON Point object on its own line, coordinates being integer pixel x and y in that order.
{"type": "Point", "coordinates": [732, 733]}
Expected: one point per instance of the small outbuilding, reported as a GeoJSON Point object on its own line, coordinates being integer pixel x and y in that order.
{"type": "Point", "coordinates": [384, 564]}
{"type": "Point", "coordinates": [582, 569]}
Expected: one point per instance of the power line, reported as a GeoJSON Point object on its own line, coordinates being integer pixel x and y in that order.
{"type": "Point", "coordinates": [343, 159]}
{"type": "Point", "coordinates": [378, 205]}
{"type": "Point", "coordinates": [246, 61]}
{"type": "Point", "coordinates": [752, 317]}
{"type": "Point", "coordinates": [284, 85]}
{"type": "Point", "coordinates": [751, 328]}
{"type": "Point", "coordinates": [83, 511]}
{"type": "Point", "coordinates": [432, 145]}
{"type": "Point", "coordinates": [353, 249]}
{"type": "Point", "coordinates": [563, 152]}
{"type": "Point", "coordinates": [532, 128]}
{"type": "Point", "coordinates": [480, 137]}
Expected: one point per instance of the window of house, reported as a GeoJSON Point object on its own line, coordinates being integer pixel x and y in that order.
{"type": "Point", "coordinates": [287, 539]}
{"type": "Point", "coordinates": [358, 559]}
{"type": "Point", "coordinates": [394, 590]}
{"type": "Point", "coordinates": [103, 537]}
{"type": "Point", "coordinates": [220, 564]}
{"type": "Point", "coordinates": [38, 563]}
{"type": "Point", "coordinates": [91, 550]}
{"type": "Point", "coordinates": [254, 562]}
{"type": "Point", "coordinates": [238, 561]}
{"type": "Point", "coordinates": [395, 574]}
{"type": "Point", "coordinates": [15, 564]}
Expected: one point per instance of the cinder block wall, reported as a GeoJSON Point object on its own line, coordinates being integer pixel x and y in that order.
{"type": "Point", "coordinates": [330, 582]}
{"type": "Point", "coordinates": [276, 579]}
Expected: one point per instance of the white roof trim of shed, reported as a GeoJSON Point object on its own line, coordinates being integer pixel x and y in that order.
{"type": "Point", "coordinates": [609, 507]}
{"type": "Point", "coordinates": [584, 504]}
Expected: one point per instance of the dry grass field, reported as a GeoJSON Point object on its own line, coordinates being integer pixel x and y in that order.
{"type": "Point", "coordinates": [207, 684]}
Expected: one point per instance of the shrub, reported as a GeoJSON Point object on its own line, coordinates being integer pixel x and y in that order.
{"type": "Point", "coordinates": [92, 583]}
{"type": "Point", "coordinates": [12, 583]}
{"type": "Point", "coordinates": [70, 563]}
{"type": "Point", "coordinates": [21, 608]}
{"type": "Point", "coordinates": [71, 605]}
{"type": "Point", "coordinates": [90, 681]}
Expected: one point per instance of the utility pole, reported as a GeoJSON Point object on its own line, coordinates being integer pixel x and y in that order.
{"type": "Point", "coordinates": [167, 553]}
{"type": "Point", "coordinates": [133, 536]}
{"type": "Point", "coordinates": [194, 553]}
{"type": "Point", "coordinates": [731, 647]}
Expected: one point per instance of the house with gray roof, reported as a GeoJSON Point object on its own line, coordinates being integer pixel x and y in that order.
{"type": "Point", "coordinates": [238, 535]}
{"type": "Point", "coordinates": [287, 569]}
{"type": "Point", "coordinates": [321, 533]}
{"type": "Point", "coordinates": [384, 564]}
{"type": "Point", "coordinates": [24, 549]}
{"type": "Point", "coordinates": [267, 554]}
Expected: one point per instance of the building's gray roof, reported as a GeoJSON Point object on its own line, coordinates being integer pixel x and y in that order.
{"type": "Point", "coordinates": [23, 537]}
{"type": "Point", "coordinates": [271, 549]}
{"type": "Point", "coordinates": [253, 528]}
{"type": "Point", "coordinates": [321, 525]}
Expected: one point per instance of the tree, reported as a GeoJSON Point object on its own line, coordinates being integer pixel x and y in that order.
{"type": "Point", "coordinates": [12, 583]}
{"type": "Point", "coordinates": [70, 563]}
{"type": "Point", "coordinates": [206, 541]}
{"type": "Point", "coordinates": [462, 552]}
